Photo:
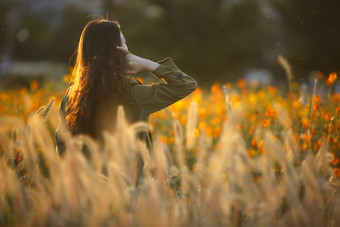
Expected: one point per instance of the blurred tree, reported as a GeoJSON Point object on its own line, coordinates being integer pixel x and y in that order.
{"type": "Point", "coordinates": [4, 7]}
{"type": "Point", "coordinates": [66, 35]}
{"type": "Point", "coordinates": [33, 36]}
{"type": "Point", "coordinates": [310, 34]}
{"type": "Point", "coordinates": [37, 40]}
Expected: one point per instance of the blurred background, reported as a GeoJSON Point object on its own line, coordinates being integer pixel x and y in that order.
{"type": "Point", "coordinates": [211, 40]}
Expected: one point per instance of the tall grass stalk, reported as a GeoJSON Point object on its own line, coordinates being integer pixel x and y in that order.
{"type": "Point", "coordinates": [287, 68]}
{"type": "Point", "coordinates": [191, 125]}
{"type": "Point", "coordinates": [226, 97]}
{"type": "Point", "coordinates": [311, 115]}
{"type": "Point", "coordinates": [226, 187]}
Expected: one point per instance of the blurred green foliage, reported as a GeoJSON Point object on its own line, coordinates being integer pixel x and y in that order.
{"type": "Point", "coordinates": [39, 38]}
{"type": "Point", "coordinates": [212, 40]}
{"type": "Point", "coordinates": [66, 35]}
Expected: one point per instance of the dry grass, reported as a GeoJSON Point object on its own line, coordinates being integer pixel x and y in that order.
{"type": "Point", "coordinates": [226, 187]}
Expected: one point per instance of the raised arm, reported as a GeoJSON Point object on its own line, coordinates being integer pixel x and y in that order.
{"type": "Point", "coordinates": [151, 98]}
{"type": "Point", "coordinates": [178, 85]}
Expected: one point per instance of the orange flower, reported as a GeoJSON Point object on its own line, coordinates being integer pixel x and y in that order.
{"type": "Point", "coordinates": [331, 78]}
{"type": "Point", "coordinates": [296, 104]}
{"type": "Point", "coordinates": [320, 75]}
{"type": "Point", "coordinates": [305, 123]}
{"type": "Point", "coordinates": [260, 94]}
{"type": "Point", "coordinates": [209, 130]}
{"type": "Point", "coordinates": [261, 150]}
{"type": "Point", "coordinates": [202, 112]}
{"type": "Point", "coordinates": [34, 85]}
{"type": "Point", "coordinates": [337, 172]}
{"type": "Point", "coordinates": [228, 85]}
{"type": "Point", "coordinates": [252, 152]}
{"type": "Point", "coordinates": [252, 98]}
{"type": "Point", "coordinates": [164, 139]}
{"type": "Point", "coordinates": [317, 98]}
{"type": "Point", "coordinates": [332, 140]}
{"type": "Point", "coordinates": [304, 136]}
{"type": "Point", "coordinates": [265, 123]}
{"type": "Point", "coordinates": [335, 97]}
{"type": "Point", "coordinates": [183, 119]}
{"type": "Point", "coordinates": [202, 125]}
{"type": "Point", "coordinates": [241, 83]}
{"type": "Point", "coordinates": [335, 160]}
{"type": "Point", "coordinates": [328, 116]}
{"type": "Point", "coordinates": [251, 129]}
{"type": "Point", "coordinates": [271, 89]}
{"type": "Point", "coordinates": [23, 91]}
{"type": "Point", "coordinates": [253, 143]}
{"type": "Point", "coordinates": [217, 131]}
{"type": "Point", "coordinates": [271, 112]}
{"type": "Point", "coordinates": [215, 121]}
{"type": "Point", "coordinates": [216, 88]}
{"type": "Point", "coordinates": [197, 97]}
{"type": "Point", "coordinates": [337, 110]}
{"type": "Point", "coordinates": [196, 133]}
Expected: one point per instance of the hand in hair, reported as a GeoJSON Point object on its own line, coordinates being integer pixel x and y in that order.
{"type": "Point", "coordinates": [135, 63]}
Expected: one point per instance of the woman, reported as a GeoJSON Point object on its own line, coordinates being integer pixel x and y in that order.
{"type": "Point", "coordinates": [101, 84]}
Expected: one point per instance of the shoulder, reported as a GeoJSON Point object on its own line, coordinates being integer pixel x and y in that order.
{"type": "Point", "coordinates": [129, 88]}
{"type": "Point", "coordinates": [131, 84]}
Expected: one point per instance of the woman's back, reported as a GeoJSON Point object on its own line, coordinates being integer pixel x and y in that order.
{"type": "Point", "coordinates": [139, 100]}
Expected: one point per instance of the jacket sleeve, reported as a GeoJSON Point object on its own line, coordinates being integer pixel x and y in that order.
{"type": "Point", "coordinates": [178, 85]}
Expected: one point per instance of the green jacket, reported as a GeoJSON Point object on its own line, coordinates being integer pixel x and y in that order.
{"type": "Point", "coordinates": [141, 100]}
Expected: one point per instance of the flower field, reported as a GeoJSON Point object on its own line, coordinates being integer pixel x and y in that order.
{"type": "Point", "coordinates": [231, 155]}
{"type": "Point", "coordinates": [313, 118]}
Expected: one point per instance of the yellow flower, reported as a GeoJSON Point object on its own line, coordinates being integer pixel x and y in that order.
{"type": "Point", "coordinates": [215, 121]}
{"type": "Point", "coordinates": [208, 130]}
{"type": "Point", "coordinates": [202, 112]}
{"type": "Point", "coordinates": [217, 131]}
{"type": "Point", "coordinates": [252, 152]}
{"type": "Point", "coordinates": [164, 139]}
{"type": "Point", "coordinates": [252, 98]}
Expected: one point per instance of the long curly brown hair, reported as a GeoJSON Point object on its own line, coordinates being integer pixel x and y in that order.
{"type": "Point", "coordinates": [98, 76]}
